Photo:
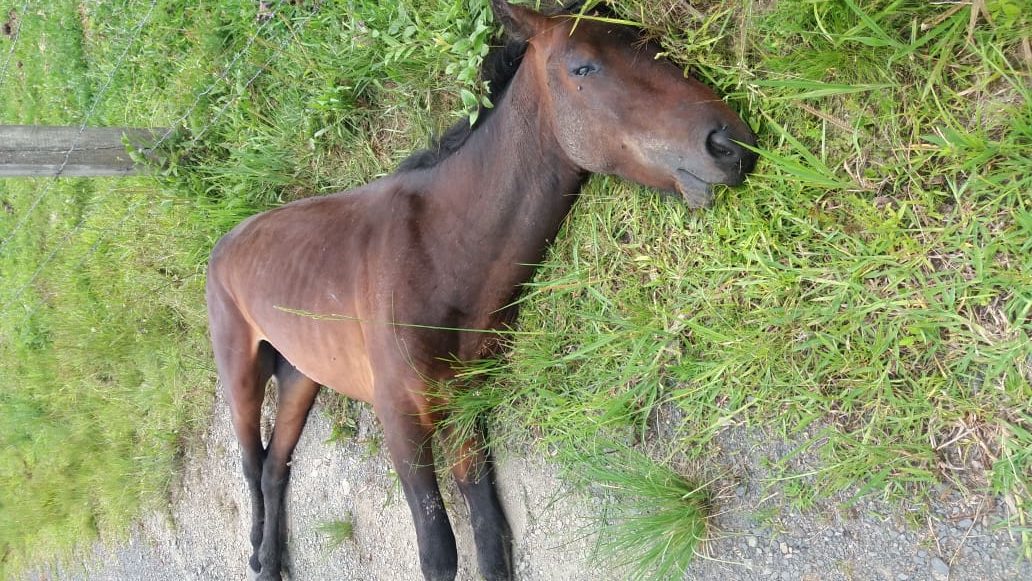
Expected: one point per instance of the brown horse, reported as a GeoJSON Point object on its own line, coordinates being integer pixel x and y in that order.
{"type": "Point", "coordinates": [421, 262]}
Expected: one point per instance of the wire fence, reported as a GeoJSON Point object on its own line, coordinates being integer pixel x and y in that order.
{"type": "Point", "coordinates": [64, 241]}
{"type": "Point", "coordinates": [82, 126]}
{"type": "Point", "coordinates": [15, 35]}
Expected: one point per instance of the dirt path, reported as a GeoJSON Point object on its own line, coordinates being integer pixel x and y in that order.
{"type": "Point", "coordinates": [205, 534]}
{"type": "Point", "coordinates": [760, 535]}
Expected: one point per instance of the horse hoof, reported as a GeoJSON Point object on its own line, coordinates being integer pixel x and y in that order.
{"type": "Point", "coordinates": [253, 575]}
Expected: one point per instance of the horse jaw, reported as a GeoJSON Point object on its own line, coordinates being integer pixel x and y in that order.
{"type": "Point", "coordinates": [696, 192]}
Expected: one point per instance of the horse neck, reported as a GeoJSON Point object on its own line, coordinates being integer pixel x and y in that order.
{"type": "Point", "coordinates": [509, 187]}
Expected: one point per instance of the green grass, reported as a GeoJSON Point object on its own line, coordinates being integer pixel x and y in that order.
{"type": "Point", "coordinates": [337, 532]}
{"type": "Point", "coordinates": [653, 521]}
{"type": "Point", "coordinates": [870, 285]}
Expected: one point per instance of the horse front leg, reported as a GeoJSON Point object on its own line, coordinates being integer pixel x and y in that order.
{"type": "Point", "coordinates": [408, 429]}
{"type": "Point", "coordinates": [474, 474]}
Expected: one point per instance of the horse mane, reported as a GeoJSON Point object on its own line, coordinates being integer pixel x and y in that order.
{"type": "Point", "coordinates": [497, 70]}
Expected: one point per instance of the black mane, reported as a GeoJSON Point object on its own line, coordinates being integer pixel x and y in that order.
{"type": "Point", "coordinates": [498, 69]}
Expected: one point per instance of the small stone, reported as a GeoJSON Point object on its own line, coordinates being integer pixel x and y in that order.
{"type": "Point", "coordinates": [965, 524]}
{"type": "Point", "coordinates": [784, 548]}
{"type": "Point", "coordinates": [751, 541]}
{"type": "Point", "coordinates": [902, 577]}
{"type": "Point", "coordinates": [940, 570]}
{"type": "Point", "coordinates": [923, 554]}
{"type": "Point", "coordinates": [740, 491]}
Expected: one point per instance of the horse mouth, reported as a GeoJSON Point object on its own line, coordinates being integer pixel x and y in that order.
{"type": "Point", "coordinates": [696, 192]}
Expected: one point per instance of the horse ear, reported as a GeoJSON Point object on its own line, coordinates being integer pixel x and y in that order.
{"type": "Point", "coordinates": [520, 23]}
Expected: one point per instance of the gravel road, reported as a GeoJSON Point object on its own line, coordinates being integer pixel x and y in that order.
{"type": "Point", "coordinates": [758, 532]}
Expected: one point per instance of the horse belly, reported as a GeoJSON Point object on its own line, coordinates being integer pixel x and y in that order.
{"type": "Point", "coordinates": [330, 350]}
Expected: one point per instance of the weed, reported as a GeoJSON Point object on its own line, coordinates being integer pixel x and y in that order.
{"type": "Point", "coordinates": [343, 414]}
{"type": "Point", "coordinates": [337, 532]}
{"type": "Point", "coordinates": [660, 518]}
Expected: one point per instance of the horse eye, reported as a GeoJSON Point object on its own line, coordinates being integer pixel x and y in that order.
{"type": "Point", "coordinates": [584, 70]}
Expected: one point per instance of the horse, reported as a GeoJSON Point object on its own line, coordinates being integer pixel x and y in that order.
{"type": "Point", "coordinates": [423, 266]}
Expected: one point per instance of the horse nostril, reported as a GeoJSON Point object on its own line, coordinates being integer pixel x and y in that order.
{"type": "Point", "coordinates": [720, 146]}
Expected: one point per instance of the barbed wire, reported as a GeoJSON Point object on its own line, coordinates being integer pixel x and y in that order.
{"type": "Point", "coordinates": [257, 73]}
{"type": "Point", "coordinates": [68, 236]}
{"type": "Point", "coordinates": [133, 207]}
{"type": "Point", "coordinates": [168, 133]}
{"type": "Point", "coordinates": [221, 77]}
{"type": "Point", "coordinates": [14, 40]}
{"type": "Point", "coordinates": [82, 127]}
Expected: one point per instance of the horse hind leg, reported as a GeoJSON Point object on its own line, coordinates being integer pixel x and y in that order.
{"type": "Point", "coordinates": [296, 394]}
{"type": "Point", "coordinates": [244, 367]}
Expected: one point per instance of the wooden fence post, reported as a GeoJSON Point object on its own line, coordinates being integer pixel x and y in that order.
{"type": "Point", "coordinates": [33, 151]}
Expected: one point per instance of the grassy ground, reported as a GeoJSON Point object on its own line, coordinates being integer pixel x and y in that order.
{"type": "Point", "coordinates": [872, 281]}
